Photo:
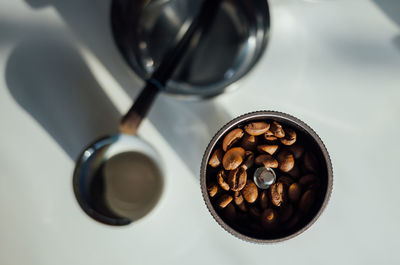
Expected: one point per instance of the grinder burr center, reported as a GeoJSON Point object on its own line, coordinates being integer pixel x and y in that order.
{"type": "Point", "coordinates": [264, 177]}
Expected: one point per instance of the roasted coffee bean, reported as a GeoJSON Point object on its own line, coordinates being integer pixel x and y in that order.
{"type": "Point", "coordinates": [238, 198]}
{"type": "Point", "coordinates": [308, 180]}
{"type": "Point", "coordinates": [285, 160]}
{"type": "Point", "coordinates": [249, 142]}
{"type": "Point", "coordinates": [269, 218]}
{"type": "Point", "coordinates": [286, 180]}
{"type": "Point", "coordinates": [242, 217]}
{"type": "Point", "coordinates": [310, 162]}
{"type": "Point", "coordinates": [230, 212]}
{"type": "Point", "coordinates": [216, 158]}
{"type": "Point", "coordinates": [254, 212]}
{"type": "Point", "coordinates": [224, 200]}
{"type": "Point", "coordinates": [266, 161]}
{"type": "Point", "coordinates": [212, 189]}
{"type": "Point", "coordinates": [255, 226]}
{"type": "Point", "coordinates": [263, 199]}
{"type": "Point", "coordinates": [248, 160]}
{"type": "Point", "coordinates": [293, 221]}
{"type": "Point", "coordinates": [242, 206]}
{"type": "Point", "coordinates": [233, 158]}
{"type": "Point", "coordinates": [221, 179]}
{"type": "Point", "coordinates": [294, 172]}
{"type": "Point", "coordinates": [231, 138]}
{"type": "Point", "coordinates": [269, 136]}
{"type": "Point", "coordinates": [237, 179]}
{"type": "Point", "coordinates": [315, 185]}
{"type": "Point", "coordinates": [294, 192]}
{"type": "Point", "coordinates": [290, 137]}
{"type": "Point", "coordinates": [307, 200]}
{"type": "Point", "coordinates": [277, 130]}
{"type": "Point", "coordinates": [256, 128]}
{"type": "Point", "coordinates": [297, 150]}
{"type": "Point", "coordinates": [250, 191]}
{"type": "Point", "coordinates": [285, 212]}
{"type": "Point", "coordinates": [268, 148]}
{"type": "Point", "coordinates": [277, 194]}
{"type": "Point", "coordinates": [284, 203]}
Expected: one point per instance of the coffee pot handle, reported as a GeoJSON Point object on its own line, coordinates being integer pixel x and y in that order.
{"type": "Point", "coordinates": [131, 120]}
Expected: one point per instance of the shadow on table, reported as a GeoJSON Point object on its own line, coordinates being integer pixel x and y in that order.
{"type": "Point", "coordinates": [396, 41]}
{"type": "Point", "coordinates": [392, 10]}
{"type": "Point", "coordinates": [50, 80]}
{"type": "Point", "coordinates": [186, 126]}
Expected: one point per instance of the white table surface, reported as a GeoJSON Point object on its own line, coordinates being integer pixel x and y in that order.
{"type": "Point", "coordinates": [335, 64]}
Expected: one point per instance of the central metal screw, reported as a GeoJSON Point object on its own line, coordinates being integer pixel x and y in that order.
{"type": "Point", "coordinates": [264, 177]}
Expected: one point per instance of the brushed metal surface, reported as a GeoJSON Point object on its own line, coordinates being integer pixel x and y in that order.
{"type": "Point", "coordinates": [146, 30]}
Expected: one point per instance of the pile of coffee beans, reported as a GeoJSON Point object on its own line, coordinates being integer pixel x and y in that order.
{"type": "Point", "coordinates": [268, 144]}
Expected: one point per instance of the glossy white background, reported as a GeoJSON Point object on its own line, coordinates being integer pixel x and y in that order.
{"type": "Point", "coordinates": [335, 64]}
